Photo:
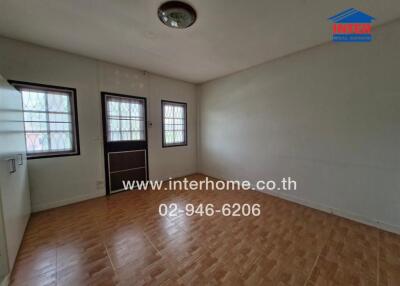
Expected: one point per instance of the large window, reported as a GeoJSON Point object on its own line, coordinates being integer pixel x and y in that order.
{"type": "Point", "coordinates": [50, 119]}
{"type": "Point", "coordinates": [125, 118]}
{"type": "Point", "coordinates": [174, 123]}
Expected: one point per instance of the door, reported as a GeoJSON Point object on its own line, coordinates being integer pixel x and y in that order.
{"type": "Point", "coordinates": [125, 140]}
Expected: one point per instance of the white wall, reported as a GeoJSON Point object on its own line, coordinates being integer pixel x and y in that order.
{"type": "Point", "coordinates": [329, 117]}
{"type": "Point", "coordinates": [59, 181]}
{"type": "Point", "coordinates": [15, 203]}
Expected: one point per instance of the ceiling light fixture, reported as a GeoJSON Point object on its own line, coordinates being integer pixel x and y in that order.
{"type": "Point", "coordinates": [176, 14]}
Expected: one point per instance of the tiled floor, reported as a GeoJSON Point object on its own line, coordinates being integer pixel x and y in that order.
{"type": "Point", "coordinates": [122, 240]}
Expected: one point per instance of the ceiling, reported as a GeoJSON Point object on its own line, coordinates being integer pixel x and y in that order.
{"type": "Point", "coordinates": [228, 36]}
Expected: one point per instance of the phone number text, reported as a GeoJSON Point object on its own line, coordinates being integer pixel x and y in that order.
{"type": "Point", "coordinates": [234, 209]}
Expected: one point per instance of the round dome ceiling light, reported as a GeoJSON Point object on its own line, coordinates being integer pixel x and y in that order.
{"type": "Point", "coordinates": [176, 14]}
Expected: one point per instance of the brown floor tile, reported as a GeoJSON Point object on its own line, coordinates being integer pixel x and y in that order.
{"type": "Point", "coordinates": [389, 259]}
{"type": "Point", "coordinates": [122, 240]}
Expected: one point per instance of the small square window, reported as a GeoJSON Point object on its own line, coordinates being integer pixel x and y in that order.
{"type": "Point", "coordinates": [50, 120]}
{"type": "Point", "coordinates": [174, 123]}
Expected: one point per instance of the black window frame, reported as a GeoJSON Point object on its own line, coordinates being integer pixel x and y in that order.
{"type": "Point", "coordinates": [184, 104]}
{"type": "Point", "coordinates": [75, 125]}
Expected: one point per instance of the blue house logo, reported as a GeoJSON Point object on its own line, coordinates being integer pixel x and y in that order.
{"type": "Point", "coordinates": [351, 25]}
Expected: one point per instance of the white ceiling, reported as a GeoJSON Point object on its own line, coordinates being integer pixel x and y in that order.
{"type": "Point", "coordinates": [229, 35]}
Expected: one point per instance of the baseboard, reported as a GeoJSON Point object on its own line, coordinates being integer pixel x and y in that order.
{"type": "Point", "coordinates": [321, 207]}
{"type": "Point", "coordinates": [179, 177]}
{"type": "Point", "coordinates": [52, 205]}
{"type": "Point", "coordinates": [6, 281]}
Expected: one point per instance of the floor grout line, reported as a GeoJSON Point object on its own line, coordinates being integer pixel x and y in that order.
{"type": "Point", "coordinates": [106, 248]}
{"type": "Point", "coordinates": [57, 246]}
{"type": "Point", "coordinates": [56, 264]}
{"type": "Point", "coordinates": [377, 260]}
{"type": "Point", "coordinates": [151, 243]}
{"type": "Point", "coordinates": [314, 265]}
{"type": "Point", "coordinates": [317, 258]}
{"type": "Point", "coordinates": [109, 258]}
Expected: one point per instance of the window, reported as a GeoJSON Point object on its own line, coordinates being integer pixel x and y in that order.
{"type": "Point", "coordinates": [174, 123]}
{"type": "Point", "coordinates": [125, 118]}
{"type": "Point", "coordinates": [50, 120]}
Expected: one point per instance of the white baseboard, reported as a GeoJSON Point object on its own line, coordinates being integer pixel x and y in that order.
{"type": "Point", "coordinates": [168, 178]}
{"type": "Point", "coordinates": [6, 281]}
{"type": "Point", "coordinates": [335, 211]}
{"type": "Point", "coordinates": [51, 205]}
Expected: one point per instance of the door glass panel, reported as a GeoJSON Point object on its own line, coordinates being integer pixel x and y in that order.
{"type": "Point", "coordinates": [125, 119]}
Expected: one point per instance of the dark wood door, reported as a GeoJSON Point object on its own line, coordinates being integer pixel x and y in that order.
{"type": "Point", "coordinates": [125, 139]}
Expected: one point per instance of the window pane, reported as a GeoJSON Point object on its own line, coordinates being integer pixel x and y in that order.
{"type": "Point", "coordinates": [178, 137]}
{"type": "Point", "coordinates": [61, 141]}
{"type": "Point", "coordinates": [37, 142]}
{"type": "Point", "coordinates": [136, 124]}
{"type": "Point", "coordinates": [179, 121]}
{"type": "Point", "coordinates": [35, 126]}
{"type": "Point", "coordinates": [125, 125]}
{"type": "Point", "coordinates": [115, 136]}
{"type": "Point", "coordinates": [34, 100]}
{"type": "Point", "coordinates": [135, 135]}
{"type": "Point", "coordinates": [34, 116]}
{"type": "Point", "coordinates": [179, 127]}
{"type": "Point", "coordinates": [178, 112]}
{"type": "Point", "coordinates": [60, 127]}
{"type": "Point", "coordinates": [59, 117]}
{"type": "Point", "coordinates": [58, 102]}
{"type": "Point", "coordinates": [169, 121]}
{"type": "Point", "coordinates": [168, 111]}
{"type": "Point", "coordinates": [113, 108]}
{"type": "Point", "coordinates": [124, 109]}
{"type": "Point", "coordinates": [136, 110]}
{"type": "Point", "coordinates": [125, 136]}
{"type": "Point", "coordinates": [168, 127]}
{"type": "Point", "coordinates": [113, 125]}
{"type": "Point", "coordinates": [169, 137]}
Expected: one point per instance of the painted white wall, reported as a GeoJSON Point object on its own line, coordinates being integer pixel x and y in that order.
{"type": "Point", "coordinates": [59, 181]}
{"type": "Point", "coordinates": [329, 117]}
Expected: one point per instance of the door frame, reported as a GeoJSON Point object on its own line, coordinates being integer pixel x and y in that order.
{"type": "Point", "coordinates": [121, 143]}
